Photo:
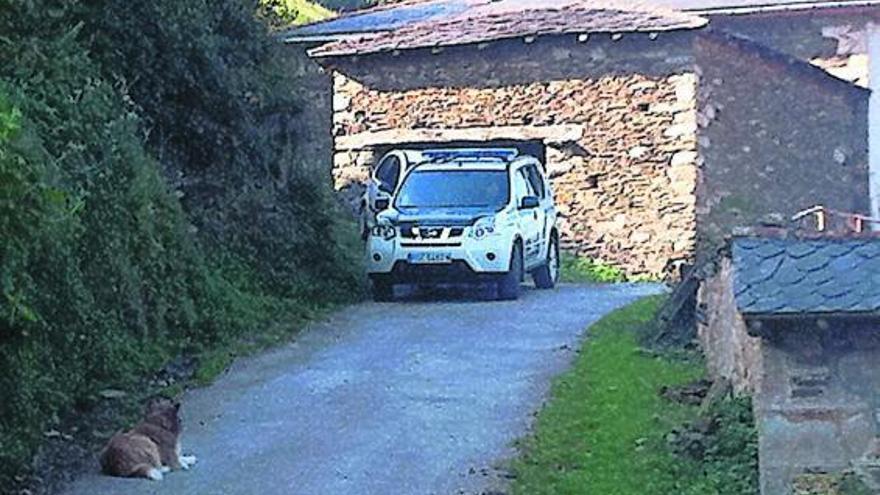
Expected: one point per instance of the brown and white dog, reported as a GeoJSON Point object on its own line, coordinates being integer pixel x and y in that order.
{"type": "Point", "coordinates": [150, 449]}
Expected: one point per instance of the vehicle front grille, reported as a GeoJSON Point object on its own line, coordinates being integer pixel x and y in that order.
{"type": "Point", "coordinates": [427, 234]}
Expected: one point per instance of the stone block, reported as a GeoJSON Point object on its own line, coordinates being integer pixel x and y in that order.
{"type": "Point", "coordinates": [683, 158]}
{"type": "Point", "coordinates": [676, 130]}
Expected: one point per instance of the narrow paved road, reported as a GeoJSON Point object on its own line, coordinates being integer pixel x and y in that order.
{"type": "Point", "coordinates": [415, 397]}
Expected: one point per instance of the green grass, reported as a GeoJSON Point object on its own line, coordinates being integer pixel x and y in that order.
{"type": "Point", "coordinates": [604, 431]}
{"type": "Point", "coordinates": [577, 269]}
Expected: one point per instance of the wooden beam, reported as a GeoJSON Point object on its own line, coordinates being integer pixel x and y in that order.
{"type": "Point", "coordinates": [548, 133]}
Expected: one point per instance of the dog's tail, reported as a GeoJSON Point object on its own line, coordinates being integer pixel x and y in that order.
{"type": "Point", "coordinates": [147, 471]}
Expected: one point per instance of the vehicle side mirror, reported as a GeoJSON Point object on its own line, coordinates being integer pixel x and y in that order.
{"type": "Point", "coordinates": [382, 204]}
{"type": "Point", "coordinates": [385, 187]}
{"type": "Point", "coordinates": [529, 202]}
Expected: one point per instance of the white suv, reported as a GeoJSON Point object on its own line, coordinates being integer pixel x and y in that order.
{"type": "Point", "coordinates": [467, 215]}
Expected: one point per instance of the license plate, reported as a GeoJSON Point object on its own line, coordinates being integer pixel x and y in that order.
{"type": "Point", "coordinates": [426, 258]}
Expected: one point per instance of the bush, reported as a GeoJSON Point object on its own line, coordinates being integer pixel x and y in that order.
{"type": "Point", "coordinates": [296, 11]}
{"type": "Point", "coordinates": [211, 83]}
{"type": "Point", "coordinates": [579, 269]}
{"type": "Point", "coordinates": [724, 442]}
{"type": "Point", "coordinates": [101, 277]}
{"type": "Point", "coordinates": [731, 459]}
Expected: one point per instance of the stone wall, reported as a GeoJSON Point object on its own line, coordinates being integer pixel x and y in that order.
{"type": "Point", "coordinates": [313, 91]}
{"type": "Point", "coordinates": [819, 401]}
{"type": "Point", "coordinates": [833, 39]}
{"type": "Point", "coordinates": [620, 143]}
{"type": "Point", "coordinates": [731, 353]}
{"type": "Point", "coordinates": [777, 135]}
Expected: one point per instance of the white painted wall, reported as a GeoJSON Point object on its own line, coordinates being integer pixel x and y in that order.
{"type": "Point", "coordinates": [874, 120]}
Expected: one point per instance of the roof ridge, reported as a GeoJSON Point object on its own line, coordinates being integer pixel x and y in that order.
{"type": "Point", "coordinates": [487, 20]}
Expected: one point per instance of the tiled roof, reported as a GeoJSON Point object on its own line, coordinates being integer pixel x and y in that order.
{"type": "Point", "coordinates": [791, 276]}
{"type": "Point", "coordinates": [474, 21]}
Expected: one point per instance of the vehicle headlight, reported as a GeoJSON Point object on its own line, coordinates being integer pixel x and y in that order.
{"type": "Point", "coordinates": [386, 232]}
{"type": "Point", "coordinates": [483, 227]}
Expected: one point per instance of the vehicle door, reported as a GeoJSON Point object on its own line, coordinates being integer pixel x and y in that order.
{"type": "Point", "coordinates": [529, 217]}
{"type": "Point", "coordinates": [380, 187]}
{"type": "Point", "coordinates": [385, 178]}
{"type": "Point", "coordinates": [547, 209]}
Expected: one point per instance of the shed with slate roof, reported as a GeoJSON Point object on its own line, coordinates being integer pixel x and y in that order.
{"type": "Point", "coordinates": [796, 323]}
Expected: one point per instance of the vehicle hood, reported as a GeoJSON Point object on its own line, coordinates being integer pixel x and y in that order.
{"type": "Point", "coordinates": [442, 216]}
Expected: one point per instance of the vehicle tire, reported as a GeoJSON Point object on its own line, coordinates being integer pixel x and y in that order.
{"type": "Point", "coordinates": [382, 289]}
{"type": "Point", "coordinates": [509, 285]}
{"type": "Point", "coordinates": [547, 275]}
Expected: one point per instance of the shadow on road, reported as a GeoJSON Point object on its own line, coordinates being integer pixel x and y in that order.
{"type": "Point", "coordinates": [455, 293]}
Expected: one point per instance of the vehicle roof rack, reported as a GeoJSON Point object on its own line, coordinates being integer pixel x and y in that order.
{"type": "Point", "coordinates": [450, 154]}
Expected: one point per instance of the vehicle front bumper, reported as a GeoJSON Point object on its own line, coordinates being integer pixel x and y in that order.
{"type": "Point", "coordinates": [470, 260]}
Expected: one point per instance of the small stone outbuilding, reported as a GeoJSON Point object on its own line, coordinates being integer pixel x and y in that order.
{"type": "Point", "coordinates": [796, 323]}
{"type": "Point", "coordinates": [661, 125]}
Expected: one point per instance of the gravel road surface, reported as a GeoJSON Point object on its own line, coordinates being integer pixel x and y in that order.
{"type": "Point", "coordinates": [421, 396]}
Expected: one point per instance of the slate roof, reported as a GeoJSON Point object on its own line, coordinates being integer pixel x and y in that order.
{"type": "Point", "coordinates": [390, 17]}
{"type": "Point", "coordinates": [791, 276]}
{"type": "Point", "coordinates": [459, 22]}
{"type": "Point", "coordinates": [747, 6]}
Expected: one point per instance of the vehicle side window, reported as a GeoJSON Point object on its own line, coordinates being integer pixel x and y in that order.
{"type": "Point", "coordinates": [387, 173]}
{"type": "Point", "coordinates": [521, 185]}
{"type": "Point", "coordinates": [536, 181]}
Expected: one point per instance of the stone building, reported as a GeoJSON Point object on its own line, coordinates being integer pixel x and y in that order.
{"type": "Point", "coordinates": [793, 322]}
{"type": "Point", "coordinates": [661, 127]}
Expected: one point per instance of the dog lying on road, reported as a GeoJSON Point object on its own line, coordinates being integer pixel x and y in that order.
{"type": "Point", "coordinates": [150, 449]}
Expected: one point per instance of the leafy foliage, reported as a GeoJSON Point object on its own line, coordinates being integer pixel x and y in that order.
{"type": "Point", "coordinates": [111, 111]}
{"type": "Point", "coordinates": [731, 457]}
{"type": "Point", "coordinates": [578, 269]}
{"type": "Point", "coordinates": [297, 11]}
{"type": "Point", "coordinates": [215, 89]}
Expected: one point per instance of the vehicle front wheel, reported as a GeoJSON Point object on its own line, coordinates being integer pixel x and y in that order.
{"type": "Point", "coordinates": [509, 286]}
{"type": "Point", "coordinates": [382, 289]}
{"type": "Point", "coordinates": [547, 274]}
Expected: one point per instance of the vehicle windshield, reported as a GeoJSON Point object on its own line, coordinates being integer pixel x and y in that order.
{"type": "Point", "coordinates": [454, 188]}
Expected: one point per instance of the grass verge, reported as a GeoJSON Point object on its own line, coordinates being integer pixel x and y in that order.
{"type": "Point", "coordinates": [606, 429]}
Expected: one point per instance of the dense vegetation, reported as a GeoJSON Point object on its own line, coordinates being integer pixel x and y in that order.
{"type": "Point", "coordinates": [608, 430]}
{"type": "Point", "coordinates": [298, 11]}
{"type": "Point", "coordinates": [152, 201]}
